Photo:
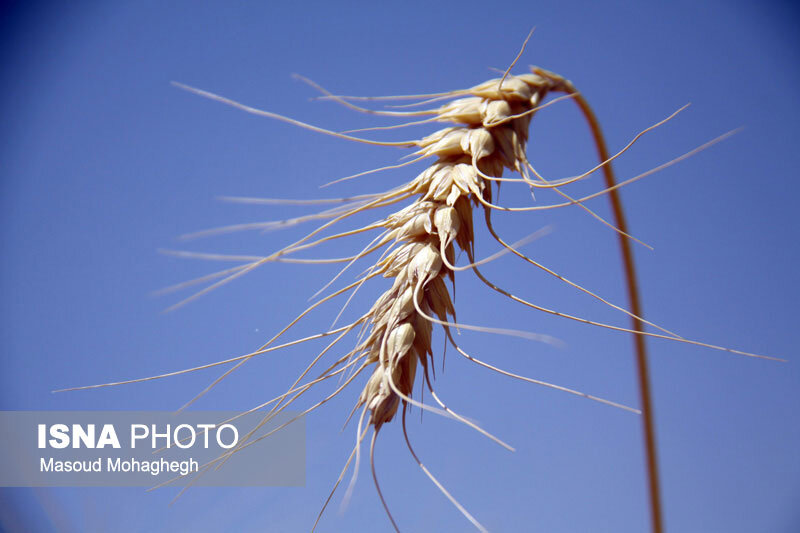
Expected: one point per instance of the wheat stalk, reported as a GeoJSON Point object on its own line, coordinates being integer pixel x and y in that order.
{"type": "Point", "coordinates": [420, 242]}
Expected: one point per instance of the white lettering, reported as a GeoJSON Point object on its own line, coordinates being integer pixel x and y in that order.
{"type": "Point", "coordinates": [191, 432]}
{"type": "Point", "coordinates": [206, 428]}
{"type": "Point", "coordinates": [108, 436]}
{"type": "Point", "coordinates": [165, 435]}
{"type": "Point", "coordinates": [51, 465]}
{"type": "Point", "coordinates": [235, 436]}
{"type": "Point", "coordinates": [137, 436]}
{"type": "Point", "coordinates": [82, 435]}
{"type": "Point", "coordinates": [153, 468]}
{"type": "Point", "coordinates": [60, 434]}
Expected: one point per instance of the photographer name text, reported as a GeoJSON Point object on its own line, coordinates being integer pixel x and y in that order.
{"type": "Point", "coordinates": [119, 465]}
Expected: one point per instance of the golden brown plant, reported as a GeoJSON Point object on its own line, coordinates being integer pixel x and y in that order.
{"type": "Point", "coordinates": [418, 246]}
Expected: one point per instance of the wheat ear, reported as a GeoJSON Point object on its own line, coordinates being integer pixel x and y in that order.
{"type": "Point", "coordinates": [420, 243]}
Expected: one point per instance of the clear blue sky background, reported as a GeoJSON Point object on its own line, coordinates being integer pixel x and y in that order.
{"type": "Point", "coordinates": [103, 163]}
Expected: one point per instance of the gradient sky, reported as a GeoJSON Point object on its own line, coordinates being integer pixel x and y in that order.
{"type": "Point", "coordinates": [104, 162]}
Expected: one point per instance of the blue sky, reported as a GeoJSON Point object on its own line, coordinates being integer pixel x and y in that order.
{"type": "Point", "coordinates": [104, 163]}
